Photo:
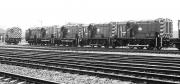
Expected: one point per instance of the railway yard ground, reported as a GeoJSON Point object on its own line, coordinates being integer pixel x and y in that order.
{"type": "Point", "coordinates": [56, 76]}
{"type": "Point", "coordinates": [68, 65]}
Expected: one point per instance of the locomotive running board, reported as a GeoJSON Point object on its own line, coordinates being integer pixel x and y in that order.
{"type": "Point", "coordinates": [137, 45]}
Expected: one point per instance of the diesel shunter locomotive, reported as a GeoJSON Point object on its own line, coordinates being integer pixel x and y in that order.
{"type": "Point", "coordinates": [13, 35]}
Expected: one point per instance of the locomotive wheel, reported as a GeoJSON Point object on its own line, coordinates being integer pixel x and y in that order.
{"type": "Point", "coordinates": [140, 47]}
{"type": "Point", "coordinates": [81, 45]}
{"type": "Point", "coordinates": [15, 43]}
{"type": "Point", "coordinates": [113, 45]}
{"type": "Point", "coordinates": [150, 48]}
{"type": "Point", "coordinates": [106, 46]}
{"type": "Point", "coordinates": [74, 45]}
{"type": "Point", "coordinates": [70, 45]}
{"type": "Point", "coordinates": [159, 48]}
{"type": "Point", "coordinates": [131, 47]}
{"type": "Point", "coordinates": [99, 46]}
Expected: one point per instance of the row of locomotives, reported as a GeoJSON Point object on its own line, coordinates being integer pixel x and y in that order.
{"type": "Point", "coordinates": [66, 35]}
{"type": "Point", "coordinates": [13, 35]}
{"type": "Point", "coordinates": [71, 35]}
{"type": "Point", "coordinates": [150, 34]}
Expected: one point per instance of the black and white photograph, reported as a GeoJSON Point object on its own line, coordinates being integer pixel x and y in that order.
{"type": "Point", "coordinates": [89, 42]}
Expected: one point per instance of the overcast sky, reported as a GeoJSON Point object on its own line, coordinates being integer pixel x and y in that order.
{"type": "Point", "coordinates": [30, 13]}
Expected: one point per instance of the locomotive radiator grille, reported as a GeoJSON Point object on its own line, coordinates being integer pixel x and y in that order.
{"type": "Point", "coordinates": [80, 32]}
{"type": "Point", "coordinates": [162, 26]}
{"type": "Point", "coordinates": [113, 31]}
{"type": "Point", "coordinates": [165, 28]}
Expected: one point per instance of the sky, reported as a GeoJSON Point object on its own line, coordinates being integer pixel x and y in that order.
{"type": "Point", "coordinates": [31, 13]}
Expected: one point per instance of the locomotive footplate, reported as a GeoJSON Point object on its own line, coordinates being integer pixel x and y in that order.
{"type": "Point", "coordinates": [137, 46]}
{"type": "Point", "coordinates": [98, 45]}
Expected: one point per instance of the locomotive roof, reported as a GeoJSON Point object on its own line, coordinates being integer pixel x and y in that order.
{"type": "Point", "coordinates": [55, 26]}
{"type": "Point", "coordinates": [158, 19]}
{"type": "Point", "coordinates": [123, 22]}
{"type": "Point", "coordinates": [75, 25]}
{"type": "Point", "coordinates": [13, 28]}
{"type": "Point", "coordinates": [33, 28]}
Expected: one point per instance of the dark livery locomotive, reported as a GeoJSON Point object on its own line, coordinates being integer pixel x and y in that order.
{"type": "Point", "coordinates": [48, 35]}
{"type": "Point", "coordinates": [149, 34]}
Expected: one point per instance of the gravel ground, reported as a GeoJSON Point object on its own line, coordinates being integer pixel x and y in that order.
{"type": "Point", "coordinates": [57, 76]}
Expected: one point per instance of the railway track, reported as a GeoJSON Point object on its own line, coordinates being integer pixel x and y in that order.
{"type": "Point", "coordinates": [8, 78]}
{"type": "Point", "coordinates": [98, 49]}
{"type": "Point", "coordinates": [157, 70]}
{"type": "Point", "coordinates": [99, 52]}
